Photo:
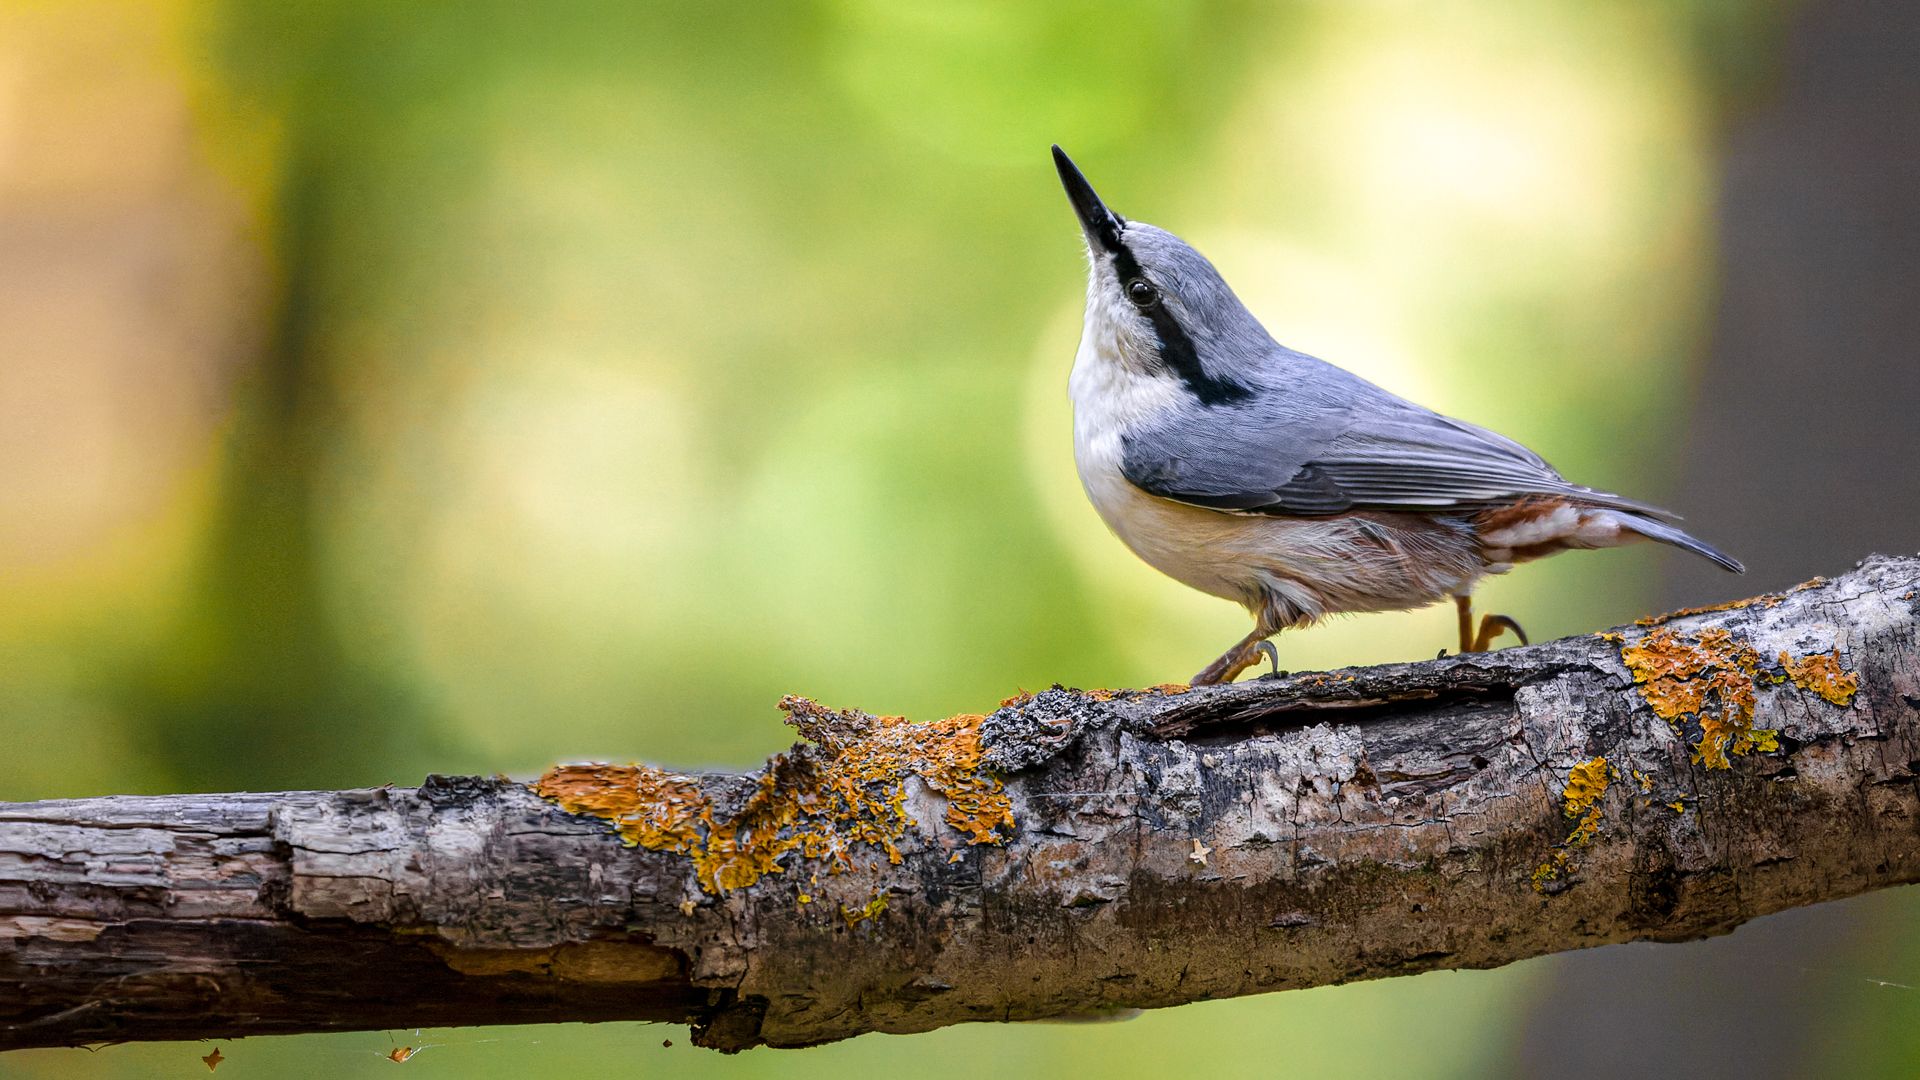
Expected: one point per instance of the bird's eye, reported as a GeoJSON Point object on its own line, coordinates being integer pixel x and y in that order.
{"type": "Point", "coordinates": [1142, 293]}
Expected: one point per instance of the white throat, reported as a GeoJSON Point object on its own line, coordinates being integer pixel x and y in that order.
{"type": "Point", "coordinates": [1112, 398]}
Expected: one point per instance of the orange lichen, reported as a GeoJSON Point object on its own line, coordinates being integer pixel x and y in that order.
{"type": "Point", "coordinates": [1713, 680]}
{"type": "Point", "coordinates": [1822, 674]}
{"type": "Point", "coordinates": [1766, 600]}
{"type": "Point", "coordinates": [824, 801]}
{"type": "Point", "coordinates": [649, 807]}
{"type": "Point", "coordinates": [1104, 695]}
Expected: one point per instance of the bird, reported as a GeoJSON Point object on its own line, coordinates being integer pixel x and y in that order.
{"type": "Point", "coordinates": [1257, 473]}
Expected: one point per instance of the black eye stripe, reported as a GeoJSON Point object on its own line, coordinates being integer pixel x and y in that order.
{"type": "Point", "coordinates": [1176, 348]}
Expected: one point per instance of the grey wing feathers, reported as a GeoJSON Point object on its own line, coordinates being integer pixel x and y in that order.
{"type": "Point", "coordinates": [1417, 459]}
{"type": "Point", "coordinates": [1287, 453]}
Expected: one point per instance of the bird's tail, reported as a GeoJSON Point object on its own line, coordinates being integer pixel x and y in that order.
{"type": "Point", "coordinates": [1667, 534]}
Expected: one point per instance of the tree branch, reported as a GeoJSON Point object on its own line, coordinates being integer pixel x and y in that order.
{"type": "Point", "coordinates": [1072, 853]}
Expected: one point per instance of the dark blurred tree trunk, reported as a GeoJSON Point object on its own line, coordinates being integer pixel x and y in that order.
{"type": "Point", "coordinates": [254, 685]}
{"type": "Point", "coordinates": [1804, 440]}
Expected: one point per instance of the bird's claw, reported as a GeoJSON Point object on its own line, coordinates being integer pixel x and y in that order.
{"type": "Point", "coordinates": [1273, 657]}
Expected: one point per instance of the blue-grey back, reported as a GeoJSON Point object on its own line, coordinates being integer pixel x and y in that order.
{"type": "Point", "coordinates": [1311, 438]}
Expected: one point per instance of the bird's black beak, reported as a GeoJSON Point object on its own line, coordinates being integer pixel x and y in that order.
{"type": "Point", "coordinates": [1101, 224]}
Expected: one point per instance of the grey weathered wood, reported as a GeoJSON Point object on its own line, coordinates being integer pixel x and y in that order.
{"type": "Point", "coordinates": [1167, 847]}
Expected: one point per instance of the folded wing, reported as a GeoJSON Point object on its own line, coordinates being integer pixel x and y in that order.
{"type": "Point", "coordinates": [1290, 454]}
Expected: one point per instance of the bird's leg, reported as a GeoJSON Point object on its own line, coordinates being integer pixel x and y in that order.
{"type": "Point", "coordinates": [1240, 657]}
{"type": "Point", "coordinates": [1490, 627]}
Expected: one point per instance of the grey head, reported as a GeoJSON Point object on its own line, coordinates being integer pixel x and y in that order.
{"type": "Point", "coordinates": [1162, 304]}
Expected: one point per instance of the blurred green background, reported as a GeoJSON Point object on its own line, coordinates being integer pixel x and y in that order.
{"type": "Point", "coordinates": [394, 388]}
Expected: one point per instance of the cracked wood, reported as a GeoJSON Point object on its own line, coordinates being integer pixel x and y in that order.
{"type": "Point", "coordinates": [1658, 782]}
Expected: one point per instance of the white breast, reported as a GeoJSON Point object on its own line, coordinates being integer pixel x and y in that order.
{"type": "Point", "coordinates": [1197, 547]}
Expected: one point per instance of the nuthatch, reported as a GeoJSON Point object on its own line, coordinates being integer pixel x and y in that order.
{"type": "Point", "coordinates": [1249, 471]}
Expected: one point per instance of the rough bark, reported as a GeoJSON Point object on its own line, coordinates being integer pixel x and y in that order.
{"type": "Point", "coordinates": [1072, 853]}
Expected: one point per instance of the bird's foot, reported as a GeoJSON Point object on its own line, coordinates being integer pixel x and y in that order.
{"type": "Point", "coordinates": [1491, 626]}
{"type": "Point", "coordinates": [1234, 661]}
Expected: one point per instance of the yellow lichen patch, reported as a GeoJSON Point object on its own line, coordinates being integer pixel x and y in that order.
{"type": "Point", "coordinates": [844, 792]}
{"type": "Point", "coordinates": [1550, 870]}
{"type": "Point", "coordinates": [1586, 787]}
{"type": "Point", "coordinates": [872, 909]}
{"type": "Point", "coordinates": [1713, 679]}
{"type": "Point", "coordinates": [1677, 806]}
{"type": "Point", "coordinates": [1822, 674]}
